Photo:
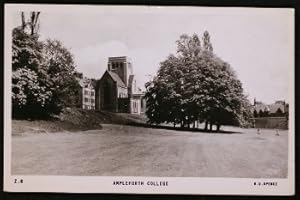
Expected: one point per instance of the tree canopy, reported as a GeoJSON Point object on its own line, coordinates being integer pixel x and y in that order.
{"type": "Point", "coordinates": [196, 85]}
{"type": "Point", "coordinates": [43, 72]}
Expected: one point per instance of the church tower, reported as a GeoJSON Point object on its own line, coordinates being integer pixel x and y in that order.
{"type": "Point", "coordinates": [122, 66]}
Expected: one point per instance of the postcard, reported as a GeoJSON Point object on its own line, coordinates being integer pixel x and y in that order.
{"type": "Point", "coordinates": [149, 99]}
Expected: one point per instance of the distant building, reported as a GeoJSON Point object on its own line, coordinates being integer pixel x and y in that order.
{"type": "Point", "coordinates": [274, 116]}
{"type": "Point", "coordinates": [87, 94]}
{"type": "Point", "coordinates": [279, 108]}
{"type": "Point", "coordinates": [117, 89]}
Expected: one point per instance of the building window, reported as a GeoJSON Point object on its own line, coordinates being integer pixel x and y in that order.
{"type": "Point", "coordinates": [92, 101]}
{"type": "Point", "coordinates": [135, 106]}
{"type": "Point", "coordinates": [86, 92]}
{"type": "Point", "coordinates": [92, 93]}
{"type": "Point", "coordinates": [114, 66]}
{"type": "Point", "coordinates": [122, 95]}
{"type": "Point", "coordinates": [86, 100]}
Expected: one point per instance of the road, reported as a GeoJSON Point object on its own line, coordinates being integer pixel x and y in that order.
{"type": "Point", "coordinates": [119, 150]}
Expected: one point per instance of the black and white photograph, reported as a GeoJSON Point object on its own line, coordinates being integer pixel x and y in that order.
{"type": "Point", "coordinates": [149, 99]}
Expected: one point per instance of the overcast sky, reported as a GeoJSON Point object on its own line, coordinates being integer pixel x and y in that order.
{"type": "Point", "coordinates": [258, 43]}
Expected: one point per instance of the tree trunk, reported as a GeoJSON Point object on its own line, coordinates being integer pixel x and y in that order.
{"type": "Point", "coordinates": [23, 21]}
{"type": "Point", "coordinates": [34, 22]}
{"type": "Point", "coordinates": [206, 125]}
{"type": "Point", "coordinates": [210, 126]}
{"type": "Point", "coordinates": [218, 127]}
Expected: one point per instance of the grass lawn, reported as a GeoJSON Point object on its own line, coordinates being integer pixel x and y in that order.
{"type": "Point", "coordinates": [121, 150]}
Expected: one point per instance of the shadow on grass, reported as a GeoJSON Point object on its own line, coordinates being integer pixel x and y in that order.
{"type": "Point", "coordinates": [181, 129]}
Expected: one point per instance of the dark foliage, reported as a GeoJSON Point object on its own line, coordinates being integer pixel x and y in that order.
{"type": "Point", "coordinates": [43, 73]}
{"type": "Point", "coordinates": [196, 85]}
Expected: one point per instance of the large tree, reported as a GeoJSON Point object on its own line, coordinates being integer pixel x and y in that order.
{"type": "Point", "coordinates": [31, 94]}
{"type": "Point", "coordinates": [196, 85]}
{"type": "Point", "coordinates": [164, 93]}
{"type": "Point", "coordinates": [60, 67]}
{"type": "Point", "coordinates": [43, 73]}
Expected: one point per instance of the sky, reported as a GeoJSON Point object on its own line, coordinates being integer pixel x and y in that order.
{"type": "Point", "coordinates": [257, 43]}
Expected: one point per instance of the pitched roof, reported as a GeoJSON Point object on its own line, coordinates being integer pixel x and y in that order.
{"type": "Point", "coordinates": [261, 107]}
{"type": "Point", "coordinates": [116, 78]}
{"type": "Point", "coordinates": [274, 107]}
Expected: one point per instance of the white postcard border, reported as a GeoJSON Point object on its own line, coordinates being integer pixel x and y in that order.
{"type": "Point", "coordinates": [104, 184]}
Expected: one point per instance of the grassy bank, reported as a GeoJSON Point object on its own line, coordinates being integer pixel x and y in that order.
{"type": "Point", "coordinates": [72, 120]}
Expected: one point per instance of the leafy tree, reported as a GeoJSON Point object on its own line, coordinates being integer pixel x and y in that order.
{"type": "Point", "coordinates": [286, 111]}
{"type": "Point", "coordinates": [223, 101]}
{"type": "Point", "coordinates": [206, 42]}
{"type": "Point", "coordinates": [261, 113]}
{"type": "Point", "coordinates": [26, 50]}
{"type": "Point", "coordinates": [279, 112]}
{"type": "Point", "coordinates": [196, 85]}
{"type": "Point", "coordinates": [255, 114]}
{"type": "Point", "coordinates": [31, 95]}
{"type": "Point", "coordinates": [79, 75]}
{"type": "Point", "coordinates": [60, 67]}
{"type": "Point", "coordinates": [164, 93]}
{"type": "Point", "coordinates": [43, 73]}
{"type": "Point", "coordinates": [29, 98]}
{"type": "Point", "coordinates": [188, 47]}
{"type": "Point", "coordinates": [266, 113]}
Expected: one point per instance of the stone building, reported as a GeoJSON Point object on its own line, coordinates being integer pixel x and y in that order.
{"type": "Point", "coordinates": [117, 89]}
{"type": "Point", "coordinates": [87, 94]}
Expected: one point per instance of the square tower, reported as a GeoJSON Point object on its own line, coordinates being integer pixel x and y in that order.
{"type": "Point", "coordinates": [122, 66]}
